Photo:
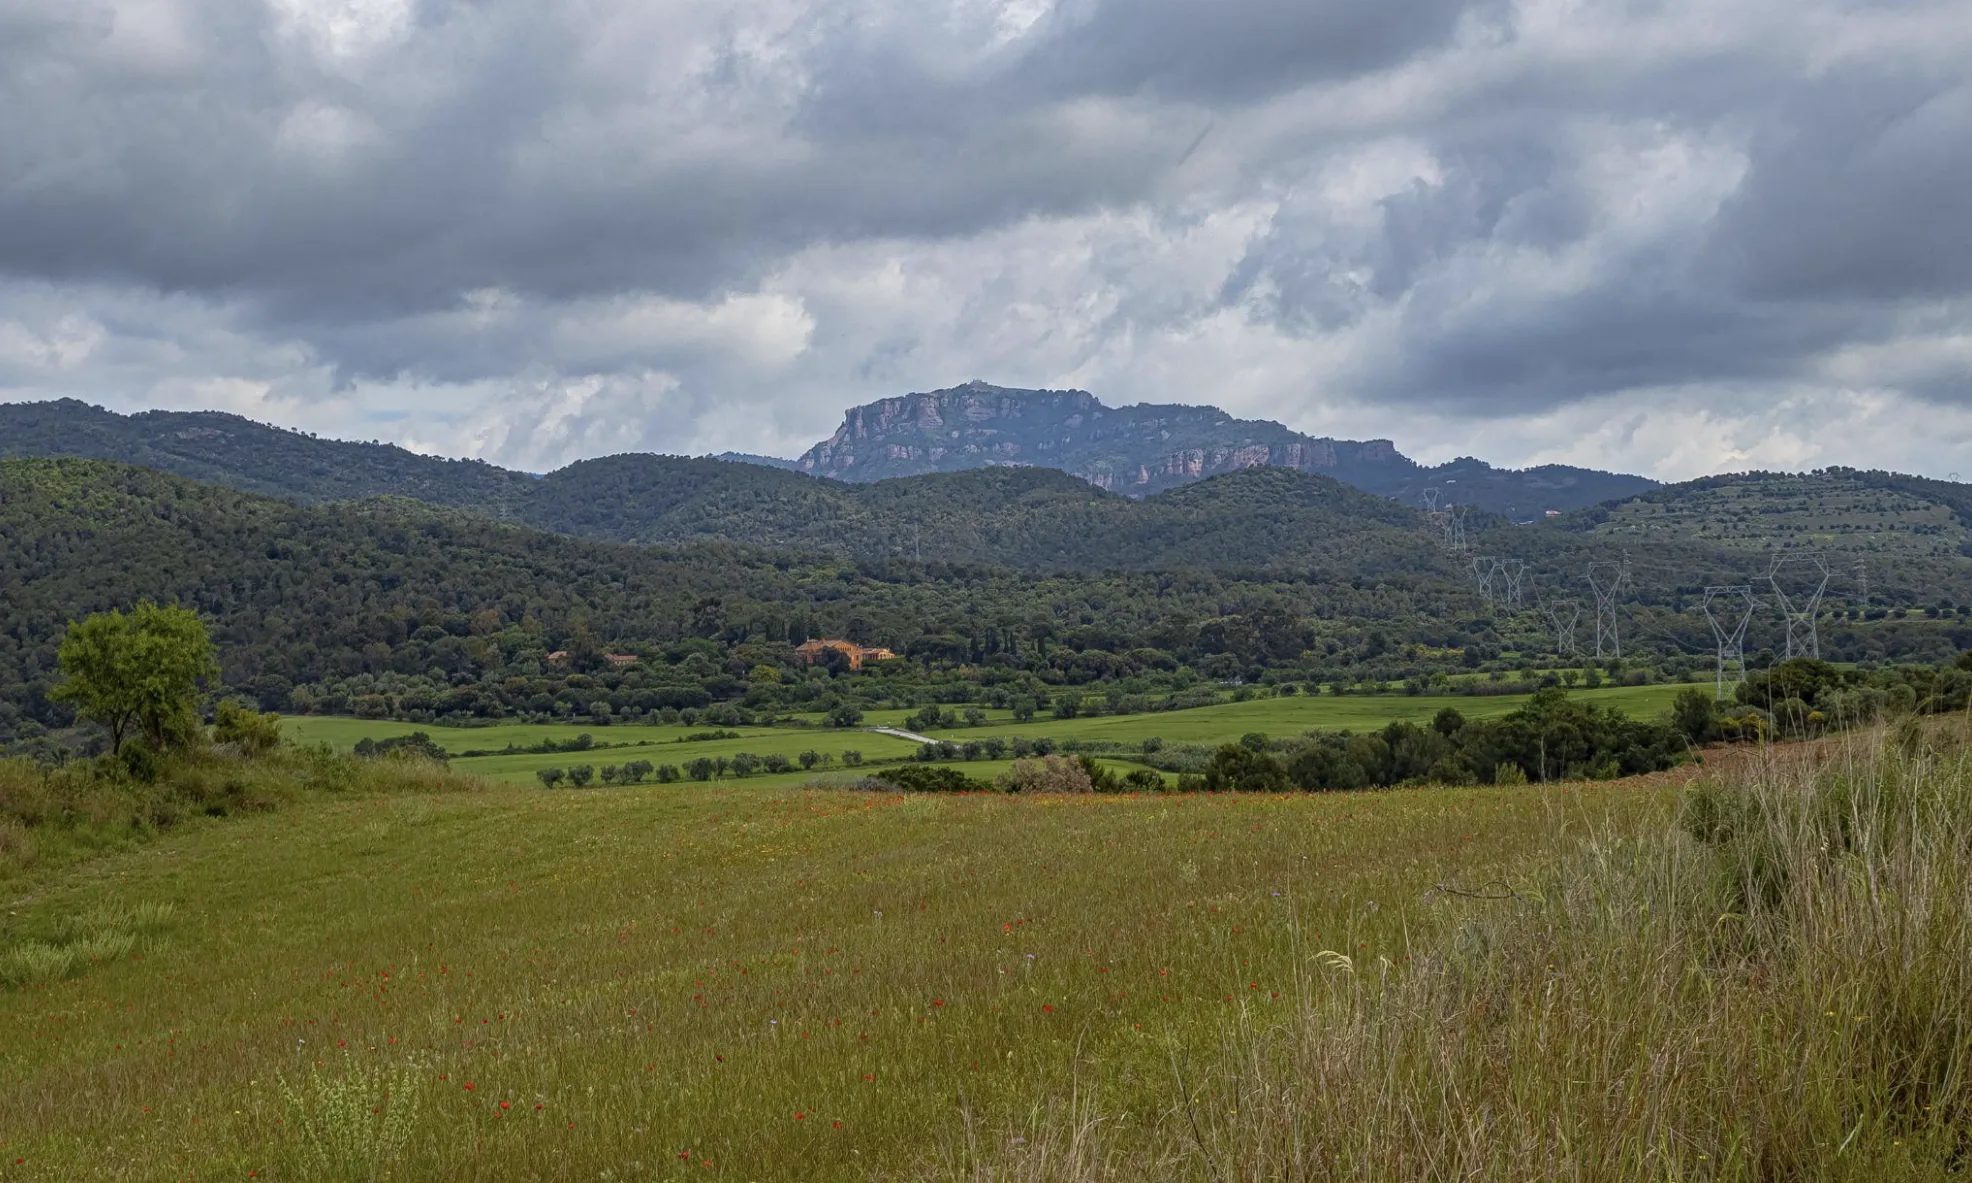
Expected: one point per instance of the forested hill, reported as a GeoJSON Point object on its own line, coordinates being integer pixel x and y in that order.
{"type": "Point", "coordinates": [229, 450]}
{"type": "Point", "coordinates": [1031, 518]}
{"type": "Point", "coordinates": [394, 607]}
{"type": "Point", "coordinates": [458, 609]}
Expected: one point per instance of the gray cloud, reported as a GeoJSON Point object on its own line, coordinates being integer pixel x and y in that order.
{"type": "Point", "coordinates": [488, 227]}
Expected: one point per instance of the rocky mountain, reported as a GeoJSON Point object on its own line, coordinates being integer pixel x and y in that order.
{"type": "Point", "coordinates": [1148, 448]}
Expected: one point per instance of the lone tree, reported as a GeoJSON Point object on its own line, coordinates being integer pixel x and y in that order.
{"type": "Point", "coordinates": [142, 670]}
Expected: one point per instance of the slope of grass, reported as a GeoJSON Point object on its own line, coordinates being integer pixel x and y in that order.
{"type": "Point", "coordinates": [703, 981]}
{"type": "Point", "coordinates": [1778, 988]}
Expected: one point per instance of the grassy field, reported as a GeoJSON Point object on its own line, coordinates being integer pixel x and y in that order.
{"type": "Point", "coordinates": [1208, 725]}
{"type": "Point", "coordinates": [710, 982]}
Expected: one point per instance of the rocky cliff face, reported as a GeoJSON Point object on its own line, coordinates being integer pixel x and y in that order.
{"type": "Point", "coordinates": [1136, 450]}
{"type": "Point", "coordinates": [1149, 448]}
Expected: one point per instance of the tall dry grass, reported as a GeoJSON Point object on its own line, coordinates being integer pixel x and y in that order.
{"type": "Point", "coordinates": [1779, 987]}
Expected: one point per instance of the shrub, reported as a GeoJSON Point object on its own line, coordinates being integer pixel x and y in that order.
{"type": "Point", "coordinates": [251, 732]}
{"type": "Point", "coordinates": [917, 779]}
{"type": "Point", "coordinates": [1048, 774]}
{"type": "Point", "coordinates": [1239, 768]}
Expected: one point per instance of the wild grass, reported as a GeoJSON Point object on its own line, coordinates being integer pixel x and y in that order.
{"type": "Point", "coordinates": [1778, 986]}
{"type": "Point", "coordinates": [52, 816]}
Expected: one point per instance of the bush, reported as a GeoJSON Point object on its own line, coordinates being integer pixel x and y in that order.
{"type": "Point", "coordinates": [1048, 774]}
{"type": "Point", "coordinates": [416, 746]}
{"type": "Point", "coordinates": [1695, 713]}
{"type": "Point", "coordinates": [1238, 768]}
{"type": "Point", "coordinates": [917, 779]}
{"type": "Point", "coordinates": [251, 732]}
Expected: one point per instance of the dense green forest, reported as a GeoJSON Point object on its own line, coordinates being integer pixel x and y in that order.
{"type": "Point", "coordinates": [391, 607]}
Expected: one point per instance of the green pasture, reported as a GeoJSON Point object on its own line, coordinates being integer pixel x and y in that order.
{"type": "Point", "coordinates": [342, 732]}
{"type": "Point", "coordinates": [1225, 723]}
{"type": "Point", "coordinates": [1280, 717]}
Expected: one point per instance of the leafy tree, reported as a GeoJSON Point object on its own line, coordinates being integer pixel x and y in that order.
{"type": "Point", "coordinates": [610, 773]}
{"type": "Point", "coordinates": [809, 758]}
{"type": "Point", "coordinates": [845, 715]}
{"type": "Point", "coordinates": [142, 670]}
{"type": "Point", "coordinates": [550, 777]}
{"type": "Point", "coordinates": [701, 768]}
{"type": "Point", "coordinates": [581, 775]}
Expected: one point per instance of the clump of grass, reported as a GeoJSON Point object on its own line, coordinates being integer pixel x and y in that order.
{"type": "Point", "coordinates": [1777, 987]}
{"type": "Point", "coordinates": [33, 963]}
{"type": "Point", "coordinates": [352, 1124]}
{"type": "Point", "coordinates": [102, 934]}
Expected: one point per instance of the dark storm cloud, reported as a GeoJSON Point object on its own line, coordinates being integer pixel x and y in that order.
{"type": "Point", "coordinates": [490, 149]}
{"type": "Point", "coordinates": [1484, 207]}
{"type": "Point", "coordinates": [1861, 189]}
{"type": "Point", "coordinates": [1239, 52]}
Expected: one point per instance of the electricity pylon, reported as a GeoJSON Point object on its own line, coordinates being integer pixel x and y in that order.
{"type": "Point", "coordinates": [1803, 637]}
{"type": "Point", "coordinates": [1735, 606]}
{"type": "Point", "coordinates": [1562, 616]}
{"type": "Point", "coordinates": [1607, 581]}
{"type": "Point", "coordinates": [1513, 574]}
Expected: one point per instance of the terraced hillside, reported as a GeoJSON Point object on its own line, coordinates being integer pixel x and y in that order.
{"type": "Point", "coordinates": [1831, 512]}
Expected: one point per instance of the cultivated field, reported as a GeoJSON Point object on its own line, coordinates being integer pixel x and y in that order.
{"type": "Point", "coordinates": [1201, 725]}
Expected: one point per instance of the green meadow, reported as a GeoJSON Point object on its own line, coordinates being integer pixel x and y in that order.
{"type": "Point", "coordinates": [1224, 723]}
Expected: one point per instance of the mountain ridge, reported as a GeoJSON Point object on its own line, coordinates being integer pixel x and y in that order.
{"type": "Point", "coordinates": [1148, 448]}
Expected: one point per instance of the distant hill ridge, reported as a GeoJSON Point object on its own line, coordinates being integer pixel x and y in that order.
{"type": "Point", "coordinates": [1148, 448]}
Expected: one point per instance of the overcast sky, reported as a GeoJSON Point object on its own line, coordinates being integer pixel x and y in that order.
{"type": "Point", "coordinates": [1665, 236]}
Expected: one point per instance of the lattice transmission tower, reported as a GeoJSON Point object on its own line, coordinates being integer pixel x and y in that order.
{"type": "Point", "coordinates": [1729, 609]}
{"type": "Point", "coordinates": [1800, 610]}
{"type": "Point", "coordinates": [1608, 581]}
